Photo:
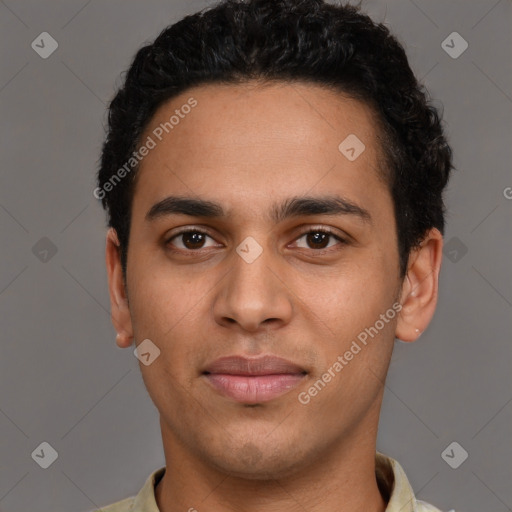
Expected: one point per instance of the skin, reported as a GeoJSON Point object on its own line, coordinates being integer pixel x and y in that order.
{"type": "Point", "coordinates": [248, 147]}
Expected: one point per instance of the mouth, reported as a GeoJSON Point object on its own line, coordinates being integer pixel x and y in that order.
{"type": "Point", "coordinates": [253, 380]}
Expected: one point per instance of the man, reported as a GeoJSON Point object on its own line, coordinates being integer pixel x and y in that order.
{"type": "Point", "coordinates": [273, 177]}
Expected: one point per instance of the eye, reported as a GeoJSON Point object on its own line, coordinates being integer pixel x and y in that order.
{"type": "Point", "coordinates": [189, 239]}
{"type": "Point", "coordinates": [319, 239]}
{"type": "Point", "coordinates": [193, 240]}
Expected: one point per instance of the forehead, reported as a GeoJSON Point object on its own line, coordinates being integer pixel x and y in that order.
{"type": "Point", "coordinates": [253, 138]}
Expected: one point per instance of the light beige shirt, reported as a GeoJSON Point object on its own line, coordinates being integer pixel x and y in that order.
{"type": "Point", "coordinates": [393, 485]}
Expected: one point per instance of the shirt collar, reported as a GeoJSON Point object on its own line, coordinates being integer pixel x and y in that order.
{"type": "Point", "coordinates": [145, 501]}
{"type": "Point", "coordinates": [391, 479]}
{"type": "Point", "coordinates": [394, 485]}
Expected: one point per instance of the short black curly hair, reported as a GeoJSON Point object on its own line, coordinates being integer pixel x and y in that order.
{"type": "Point", "coordinates": [311, 41]}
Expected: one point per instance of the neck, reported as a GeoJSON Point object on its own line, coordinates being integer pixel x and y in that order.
{"type": "Point", "coordinates": [341, 480]}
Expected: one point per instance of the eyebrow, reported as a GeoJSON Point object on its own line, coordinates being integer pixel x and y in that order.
{"type": "Point", "coordinates": [297, 206]}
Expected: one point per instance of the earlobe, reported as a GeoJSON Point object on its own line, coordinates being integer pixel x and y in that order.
{"type": "Point", "coordinates": [420, 287]}
{"type": "Point", "coordinates": [123, 340]}
{"type": "Point", "coordinates": [120, 312]}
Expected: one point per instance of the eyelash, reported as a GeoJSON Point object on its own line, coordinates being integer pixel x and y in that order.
{"type": "Point", "coordinates": [326, 231]}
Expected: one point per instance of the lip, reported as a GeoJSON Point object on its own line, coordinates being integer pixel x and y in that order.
{"type": "Point", "coordinates": [253, 380]}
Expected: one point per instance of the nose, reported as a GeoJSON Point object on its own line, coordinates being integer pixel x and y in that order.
{"type": "Point", "coordinates": [253, 295]}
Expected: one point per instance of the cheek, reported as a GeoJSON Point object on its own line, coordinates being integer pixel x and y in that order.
{"type": "Point", "coordinates": [168, 309]}
{"type": "Point", "coordinates": [160, 300]}
{"type": "Point", "coordinates": [170, 318]}
{"type": "Point", "coordinates": [349, 298]}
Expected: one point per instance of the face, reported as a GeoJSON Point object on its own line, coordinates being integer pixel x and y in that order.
{"type": "Point", "coordinates": [269, 269]}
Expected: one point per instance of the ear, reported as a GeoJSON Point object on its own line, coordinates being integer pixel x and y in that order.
{"type": "Point", "coordinates": [120, 313]}
{"type": "Point", "coordinates": [420, 287]}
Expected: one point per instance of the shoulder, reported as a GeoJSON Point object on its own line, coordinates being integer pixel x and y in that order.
{"type": "Point", "coordinates": [144, 501]}
{"type": "Point", "coordinates": [395, 486]}
{"type": "Point", "coordinates": [125, 505]}
{"type": "Point", "coordinates": [423, 506]}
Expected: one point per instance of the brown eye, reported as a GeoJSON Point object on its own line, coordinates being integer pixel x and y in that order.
{"type": "Point", "coordinates": [319, 239]}
{"type": "Point", "coordinates": [188, 240]}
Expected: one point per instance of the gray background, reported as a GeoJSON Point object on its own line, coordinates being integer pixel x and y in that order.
{"type": "Point", "coordinates": [62, 378]}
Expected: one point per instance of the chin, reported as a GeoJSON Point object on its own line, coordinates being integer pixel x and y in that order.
{"type": "Point", "coordinates": [253, 461]}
